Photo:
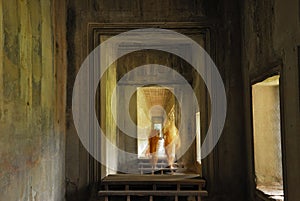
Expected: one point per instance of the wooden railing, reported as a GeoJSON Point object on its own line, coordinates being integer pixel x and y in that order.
{"type": "Point", "coordinates": [157, 187]}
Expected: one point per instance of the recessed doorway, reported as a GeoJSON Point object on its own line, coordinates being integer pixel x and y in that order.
{"type": "Point", "coordinates": [154, 105]}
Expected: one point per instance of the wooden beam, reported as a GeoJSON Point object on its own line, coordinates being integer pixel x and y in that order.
{"type": "Point", "coordinates": [153, 192]}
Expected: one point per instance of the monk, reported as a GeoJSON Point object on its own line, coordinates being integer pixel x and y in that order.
{"type": "Point", "coordinates": [153, 145]}
{"type": "Point", "coordinates": [172, 142]}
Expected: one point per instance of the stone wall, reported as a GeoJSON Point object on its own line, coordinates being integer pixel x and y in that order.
{"type": "Point", "coordinates": [32, 80]}
{"type": "Point", "coordinates": [271, 33]}
{"type": "Point", "coordinates": [267, 134]}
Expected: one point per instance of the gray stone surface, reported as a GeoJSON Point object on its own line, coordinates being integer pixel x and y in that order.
{"type": "Point", "coordinates": [31, 136]}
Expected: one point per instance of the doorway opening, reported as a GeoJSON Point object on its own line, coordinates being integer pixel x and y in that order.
{"type": "Point", "coordinates": [155, 105]}
{"type": "Point", "coordinates": [267, 137]}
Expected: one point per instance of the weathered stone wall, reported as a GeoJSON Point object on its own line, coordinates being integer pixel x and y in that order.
{"type": "Point", "coordinates": [271, 33]}
{"type": "Point", "coordinates": [32, 86]}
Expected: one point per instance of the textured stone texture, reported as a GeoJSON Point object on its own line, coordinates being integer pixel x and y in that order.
{"type": "Point", "coordinates": [32, 140]}
{"type": "Point", "coordinates": [266, 134]}
{"type": "Point", "coordinates": [33, 83]}
{"type": "Point", "coordinates": [271, 34]}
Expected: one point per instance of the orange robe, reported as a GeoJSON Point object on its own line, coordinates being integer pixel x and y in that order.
{"type": "Point", "coordinates": [171, 136]}
{"type": "Point", "coordinates": [153, 142]}
{"type": "Point", "coordinates": [172, 142]}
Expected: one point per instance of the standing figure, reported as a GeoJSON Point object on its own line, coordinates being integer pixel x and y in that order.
{"type": "Point", "coordinates": [153, 146]}
{"type": "Point", "coordinates": [172, 142]}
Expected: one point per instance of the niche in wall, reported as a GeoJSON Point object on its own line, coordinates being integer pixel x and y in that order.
{"type": "Point", "coordinates": [267, 137]}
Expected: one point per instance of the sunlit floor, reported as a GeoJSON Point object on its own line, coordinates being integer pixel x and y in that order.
{"type": "Point", "coordinates": [274, 192]}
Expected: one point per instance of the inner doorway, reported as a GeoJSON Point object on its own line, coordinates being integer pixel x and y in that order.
{"type": "Point", "coordinates": [151, 77]}
{"type": "Point", "coordinates": [155, 105]}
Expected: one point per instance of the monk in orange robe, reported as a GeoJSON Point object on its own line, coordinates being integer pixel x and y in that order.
{"type": "Point", "coordinates": [153, 145]}
{"type": "Point", "coordinates": [172, 142]}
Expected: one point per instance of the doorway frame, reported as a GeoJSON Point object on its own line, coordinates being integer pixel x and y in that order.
{"type": "Point", "coordinates": [206, 27]}
{"type": "Point", "coordinates": [276, 68]}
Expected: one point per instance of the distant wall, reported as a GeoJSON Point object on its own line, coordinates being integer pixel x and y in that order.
{"type": "Point", "coordinates": [267, 134]}
{"type": "Point", "coordinates": [32, 100]}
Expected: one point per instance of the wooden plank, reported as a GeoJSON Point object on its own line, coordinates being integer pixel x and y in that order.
{"type": "Point", "coordinates": [157, 168]}
{"type": "Point", "coordinates": [106, 188]}
{"type": "Point", "coordinates": [138, 177]}
{"type": "Point", "coordinates": [199, 197]}
{"type": "Point", "coordinates": [153, 192]}
{"type": "Point", "coordinates": [146, 182]}
{"type": "Point", "coordinates": [127, 189]}
{"type": "Point", "coordinates": [142, 163]}
{"type": "Point", "coordinates": [178, 190]}
{"type": "Point", "coordinates": [154, 188]}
